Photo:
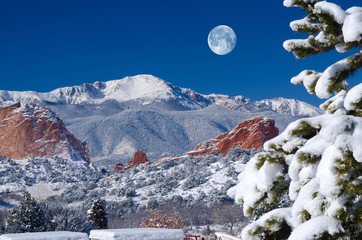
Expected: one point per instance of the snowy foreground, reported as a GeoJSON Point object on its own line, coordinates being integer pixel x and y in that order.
{"type": "Point", "coordinates": [108, 234]}
{"type": "Point", "coordinates": [138, 234]}
{"type": "Point", "coordinates": [61, 235]}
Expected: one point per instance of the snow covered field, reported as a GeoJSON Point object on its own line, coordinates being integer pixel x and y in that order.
{"type": "Point", "coordinates": [61, 235]}
{"type": "Point", "coordinates": [137, 234]}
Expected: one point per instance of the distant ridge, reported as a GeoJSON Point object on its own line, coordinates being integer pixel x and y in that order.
{"type": "Point", "coordinates": [147, 89]}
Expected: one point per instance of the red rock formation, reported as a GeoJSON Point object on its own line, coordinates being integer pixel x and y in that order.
{"type": "Point", "coordinates": [246, 135]}
{"type": "Point", "coordinates": [31, 130]}
{"type": "Point", "coordinates": [139, 158]}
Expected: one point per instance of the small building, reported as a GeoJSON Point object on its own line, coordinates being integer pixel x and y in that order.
{"type": "Point", "coordinates": [137, 234]}
{"type": "Point", "coordinates": [61, 235]}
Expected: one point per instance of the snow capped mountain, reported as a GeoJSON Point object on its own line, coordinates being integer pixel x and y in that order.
{"type": "Point", "coordinates": [116, 118]}
{"type": "Point", "coordinates": [147, 89]}
{"type": "Point", "coordinates": [290, 106]}
{"type": "Point", "coordinates": [126, 89]}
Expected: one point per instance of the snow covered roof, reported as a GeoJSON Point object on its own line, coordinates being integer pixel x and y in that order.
{"type": "Point", "coordinates": [61, 235]}
{"type": "Point", "coordinates": [137, 234]}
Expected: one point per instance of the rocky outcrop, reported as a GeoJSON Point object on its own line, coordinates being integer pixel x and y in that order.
{"type": "Point", "coordinates": [139, 158]}
{"type": "Point", "coordinates": [246, 135]}
{"type": "Point", "coordinates": [33, 131]}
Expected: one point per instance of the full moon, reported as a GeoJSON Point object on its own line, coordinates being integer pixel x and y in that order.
{"type": "Point", "coordinates": [222, 40]}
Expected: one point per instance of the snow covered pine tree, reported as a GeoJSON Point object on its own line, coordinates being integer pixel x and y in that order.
{"type": "Point", "coordinates": [97, 215]}
{"type": "Point", "coordinates": [315, 161]}
{"type": "Point", "coordinates": [27, 217]}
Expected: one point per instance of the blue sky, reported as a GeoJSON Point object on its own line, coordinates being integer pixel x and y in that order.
{"type": "Point", "coordinates": [49, 44]}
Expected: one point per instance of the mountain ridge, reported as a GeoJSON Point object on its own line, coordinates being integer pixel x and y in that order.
{"type": "Point", "coordinates": [148, 89]}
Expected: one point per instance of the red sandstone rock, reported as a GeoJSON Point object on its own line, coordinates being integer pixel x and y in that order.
{"type": "Point", "coordinates": [139, 158]}
{"type": "Point", "coordinates": [33, 131]}
{"type": "Point", "coordinates": [246, 135]}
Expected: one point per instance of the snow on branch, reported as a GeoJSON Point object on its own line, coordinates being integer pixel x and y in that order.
{"type": "Point", "coordinates": [308, 78]}
{"type": "Point", "coordinates": [333, 10]}
{"type": "Point", "coordinates": [291, 3]}
{"type": "Point", "coordinates": [352, 27]}
{"type": "Point", "coordinates": [307, 229]}
{"type": "Point", "coordinates": [333, 78]}
{"type": "Point", "coordinates": [353, 99]}
{"type": "Point", "coordinates": [304, 25]}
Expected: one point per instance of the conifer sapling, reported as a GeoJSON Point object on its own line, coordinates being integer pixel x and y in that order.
{"type": "Point", "coordinates": [97, 215]}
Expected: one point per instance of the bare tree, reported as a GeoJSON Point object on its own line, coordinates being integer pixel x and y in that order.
{"type": "Point", "coordinates": [228, 215]}
{"type": "Point", "coordinates": [197, 215]}
{"type": "Point", "coordinates": [159, 219]}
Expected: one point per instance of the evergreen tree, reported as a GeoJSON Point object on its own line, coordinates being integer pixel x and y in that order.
{"type": "Point", "coordinates": [97, 215]}
{"type": "Point", "coordinates": [27, 217]}
{"type": "Point", "coordinates": [316, 162]}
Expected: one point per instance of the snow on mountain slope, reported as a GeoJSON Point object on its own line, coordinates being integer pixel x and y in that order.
{"type": "Point", "coordinates": [118, 117]}
{"type": "Point", "coordinates": [43, 177]}
{"type": "Point", "coordinates": [147, 89]}
{"type": "Point", "coordinates": [144, 87]}
{"type": "Point", "coordinates": [189, 181]}
{"type": "Point", "coordinates": [114, 137]}
{"type": "Point", "coordinates": [234, 103]}
{"type": "Point", "coordinates": [290, 106]}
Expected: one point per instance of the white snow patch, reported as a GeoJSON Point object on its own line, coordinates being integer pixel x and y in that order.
{"type": "Point", "coordinates": [352, 27]}
{"type": "Point", "coordinates": [125, 148]}
{"type": "Point", "coordinates": [325, 80]}
{"type": "Point", "coordinates": [288, 44]}
{"type": "Point", "coordinates": [353, 96]}
{"type": "Point", "coordinates": [42, 191]}
{"type": "Point", "coordinates": [283, 214]}
{"type": "Point", "coordinates": [138, 234]}
{"type": "Point", "coordinates": [332, 9]}
{"type": "Point", "coordinates": [61, 235]}
{"type": "Point", "coordinates": [315, 228]}
{"type": "Point", "coordinates": [289, 3]}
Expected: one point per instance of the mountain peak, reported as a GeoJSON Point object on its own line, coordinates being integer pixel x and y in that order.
{"type": "Point", "coordinates": [135, 87]}
{"type": "Point", "coordinates": [290, 106]}
{"type": "Point", "coordinates": [147, 89]}
{"type": "Point", "coordinates": [125, 89]}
